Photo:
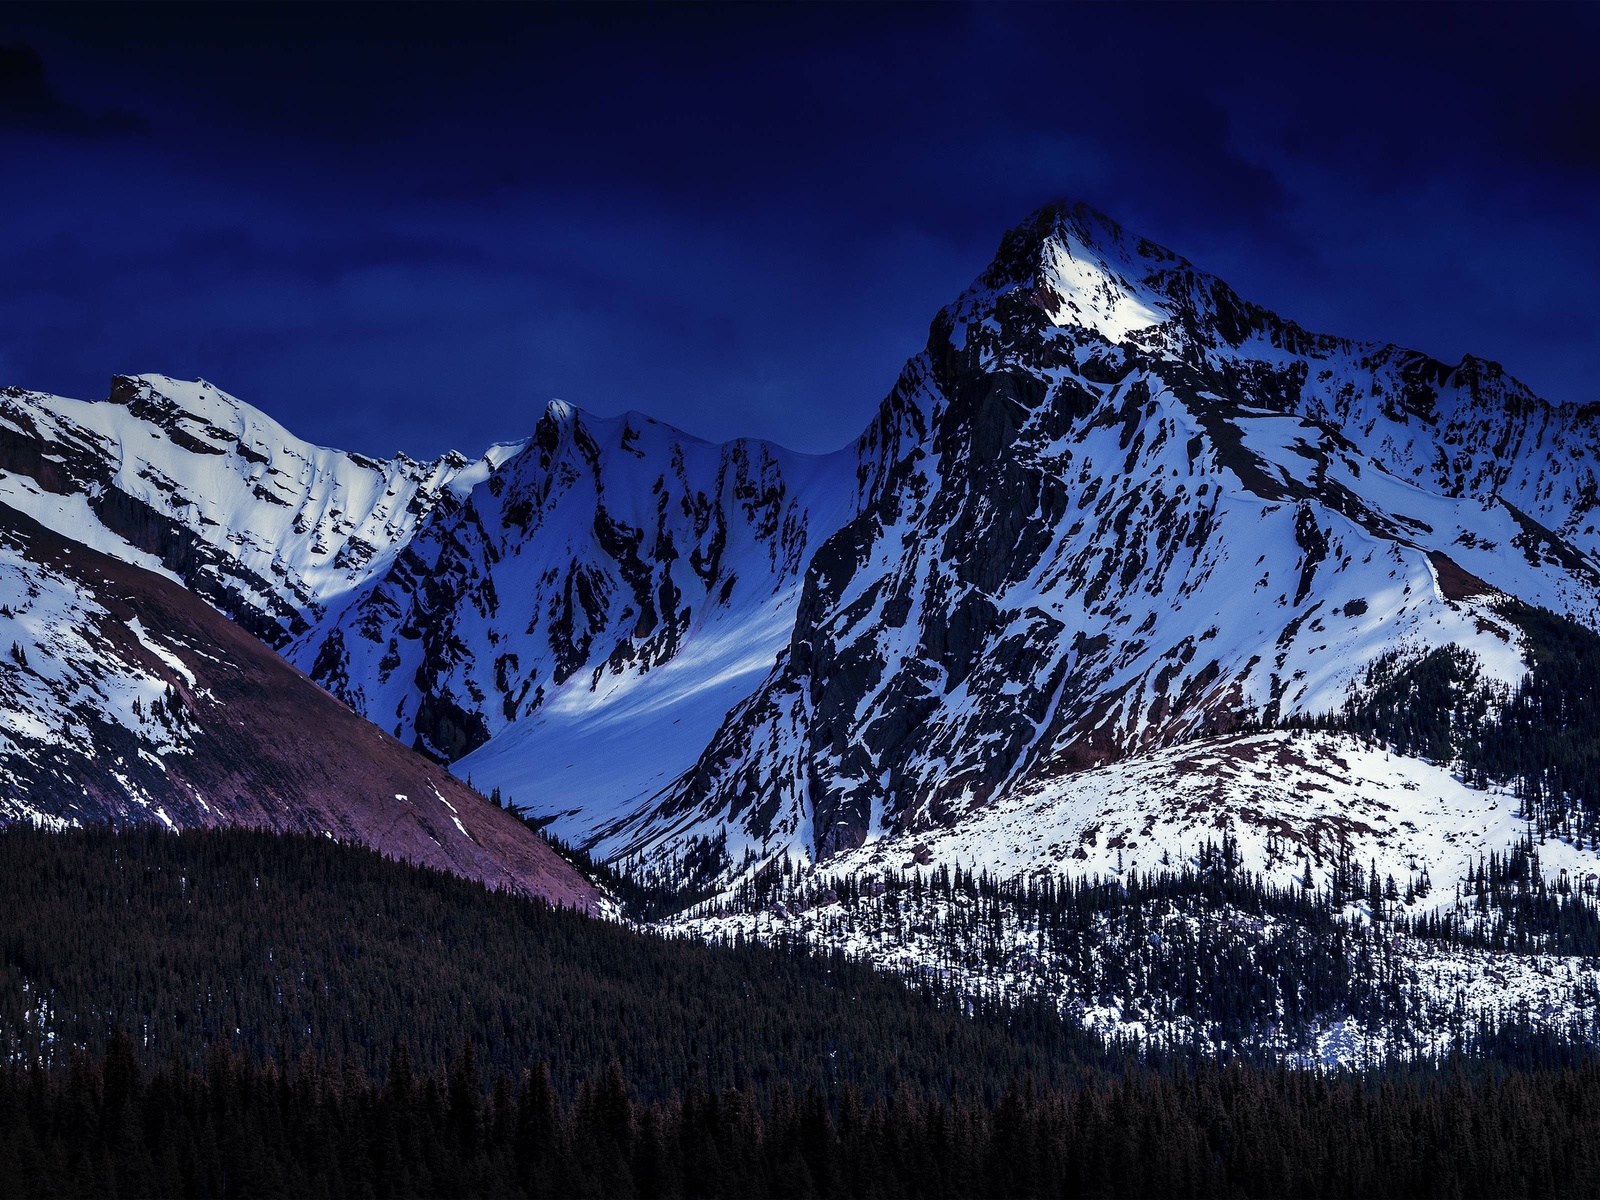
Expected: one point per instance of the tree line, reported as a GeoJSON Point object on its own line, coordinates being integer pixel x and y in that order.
{"type": "Point", "coordinates": [1209, 954]}
{"type": "Point", "coordinates": [1542, 737]}
{"type": "Point", "coordinates": [103, 1125]}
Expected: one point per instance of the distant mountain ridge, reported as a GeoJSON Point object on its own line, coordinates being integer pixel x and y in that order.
{"type": "Point", "coordinates": [1110, 507]}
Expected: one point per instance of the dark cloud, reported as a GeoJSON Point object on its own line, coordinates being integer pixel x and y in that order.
{"type": "Point", "coordinates": [28, 102]}
{"type": "Point", "coordinates": [410, 225]}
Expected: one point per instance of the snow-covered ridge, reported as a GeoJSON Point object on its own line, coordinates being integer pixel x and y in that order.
{"type": "Point", "coordinates": [1292, 806]}
{"type": "Point", "coordinates": [1291, 802]}
{"type": "Point", "coordinates": [186, 478]}
{"type": "Point", "coordinates": [1456, 429]}
{"type": "Point", "coordinates": [603, 566]}
{"type": "Point", "coordinates": [582, 621]}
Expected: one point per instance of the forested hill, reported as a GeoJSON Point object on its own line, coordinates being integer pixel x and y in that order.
{"type": "Point", "coordinates": [276, 945]}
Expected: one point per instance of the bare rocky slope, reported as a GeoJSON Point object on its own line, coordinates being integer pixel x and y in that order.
{"type": "Point", "coordinates": [129, 700]}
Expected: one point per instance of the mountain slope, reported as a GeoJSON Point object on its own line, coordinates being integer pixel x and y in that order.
{"type": "Point", "coordinates": [128, 700]}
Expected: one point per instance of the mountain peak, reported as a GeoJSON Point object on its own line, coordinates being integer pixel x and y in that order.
{"type": "Point", "coordinates": [1083, 269]}
{"type": "Point", "coordinates": [1083, 282]}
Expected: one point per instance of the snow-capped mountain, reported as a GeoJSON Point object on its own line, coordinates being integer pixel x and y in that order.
{"type": "Point", "coordinates": [1111, 508]}
{"type": "Point", "coordinates": [1022, 741]}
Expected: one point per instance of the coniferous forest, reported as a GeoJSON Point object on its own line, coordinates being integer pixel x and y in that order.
{"type": "Point", "coordinates": [235, 1127]}
{"type": "Point", "coordinates": [227, 1013]}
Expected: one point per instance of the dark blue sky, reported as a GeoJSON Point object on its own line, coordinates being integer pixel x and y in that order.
{"type": "Point", "coordinates": [407, 228]}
